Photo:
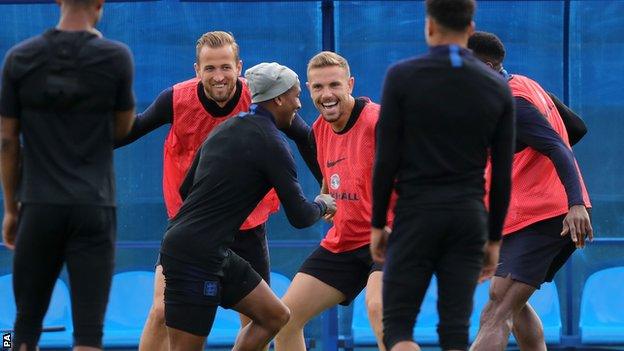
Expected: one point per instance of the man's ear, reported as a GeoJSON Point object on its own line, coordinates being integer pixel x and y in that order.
{"type": "Point", "coordinates": [278, 100]}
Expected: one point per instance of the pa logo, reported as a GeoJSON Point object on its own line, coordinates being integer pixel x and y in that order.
{"type": "Point", "coordinates": [334, 181]}
{"type": "Point", "coordinates": [6, 341]}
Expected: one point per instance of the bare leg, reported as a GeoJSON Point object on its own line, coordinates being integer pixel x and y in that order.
{"type": "Point", "coordinates": [268, 315]}
{"type": "Point", "coordinates": [246, 320]}
{"type": "Point", "coordinates": [154, 336]}
{"type": "Point", "coordinates": [528, 330]}
{"type": "Point", "coordinates": [306, 298]}
{"type": "Point", "coordinates": [405, 346]}
{"type": "Point", "coordinates": [507, 297]}
{"type": "Point", "coordinates": [182, 341]}
{"type": "Point", "coordinates": [374, 306]}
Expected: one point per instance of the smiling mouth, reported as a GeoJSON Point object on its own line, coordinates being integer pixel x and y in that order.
{"type": "Point", "coordinates": [329, 104]}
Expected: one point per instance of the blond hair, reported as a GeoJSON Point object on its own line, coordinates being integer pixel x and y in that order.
{"type": "Point", "coordinates": [215, 40]}
{"type": "Point", "coordinates": [328, 59]}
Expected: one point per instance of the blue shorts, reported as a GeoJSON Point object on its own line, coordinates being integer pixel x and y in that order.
{"type": "Point", "coordinates": [534, 254]}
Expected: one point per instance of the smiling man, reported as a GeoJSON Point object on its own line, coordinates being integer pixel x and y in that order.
{"type": "Point", "coordinates": [194, 108]}
{"type": "Point", "coordinates": [344, 137]}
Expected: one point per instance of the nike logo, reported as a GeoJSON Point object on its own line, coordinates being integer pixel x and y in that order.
{"type": "Point", "coordinates": [333, 163]}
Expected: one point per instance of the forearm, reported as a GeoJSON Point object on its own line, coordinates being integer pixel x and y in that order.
{"type": "Point", "coordinates": [563, 160]}
{"type": "Point", "coordinates": [9, 159]}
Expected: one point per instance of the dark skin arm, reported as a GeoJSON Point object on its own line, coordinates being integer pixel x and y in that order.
{"type": "Point", "coordinates": [9, 159]}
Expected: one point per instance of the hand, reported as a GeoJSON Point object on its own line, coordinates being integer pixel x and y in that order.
{"type": "Point", "coordinates": [329, 202]}
{"type": "Point", "coordinates": [578, 225]}
{"type": "Point", "coordinates": [490, 260]}
{"type": "Point", "coordinates": [379, 243]}
{"type": "Point", "coordinates": [9, 229]}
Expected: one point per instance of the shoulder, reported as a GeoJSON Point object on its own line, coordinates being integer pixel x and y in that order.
{"type": "Point", "coordinates": [187, 84]}
{"type": "Point", "coordinates": [27, 48]}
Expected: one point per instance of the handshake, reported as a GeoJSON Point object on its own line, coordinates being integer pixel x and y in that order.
{"type": "Point", "coordinates": [328, 203]}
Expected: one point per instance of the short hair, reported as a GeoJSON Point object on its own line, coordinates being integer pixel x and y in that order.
{"type": "Point", "coordinates": [328, 59]}
{"type": "Point", "coordinates": [215, 40]}
{"type": "Point", "coordinates": [80, 3]}
{"type": "Point", "coordinates": [487, 47]}
{"type": "Point", "coordinates": [455, 15]}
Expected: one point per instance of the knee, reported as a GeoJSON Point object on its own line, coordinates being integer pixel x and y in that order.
{"type": "Point", "coordinates": [278, 319]}
{"type": "Point", "coordinates": [375, 314]}
{"type": "Point", "coordinates": [157, 313]}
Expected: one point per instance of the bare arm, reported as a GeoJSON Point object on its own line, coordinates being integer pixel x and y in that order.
{"type": "Point", "coordinates": [123, 123]}
{"type": "Point", "coordinates": [9, 159]}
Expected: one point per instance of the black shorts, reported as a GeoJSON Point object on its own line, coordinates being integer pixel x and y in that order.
{"type": "Point", "coordinates": [534, 254]}
{"type": "Point", "coordinates": [251, 245]}
{"type": "Point", "coordinates": [347, 271]}
{"type": "Point", "coordinates": [193, 293]}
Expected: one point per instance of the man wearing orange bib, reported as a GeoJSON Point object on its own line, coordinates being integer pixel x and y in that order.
{"type": "Point", "coordinates": [194, 108]}
{"type": "Point", "coordinates": [338, 270]}
{"type": "Point", "coordinates": [548, 213]}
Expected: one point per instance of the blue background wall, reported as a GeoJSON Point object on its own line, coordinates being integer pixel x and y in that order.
{"type": "Point", "coordinates": [573, 48]}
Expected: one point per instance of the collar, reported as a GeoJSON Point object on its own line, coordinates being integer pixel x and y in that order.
{"type": "Point", "coordinates": [257, 110]}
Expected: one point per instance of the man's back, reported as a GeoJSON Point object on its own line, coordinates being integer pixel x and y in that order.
{"type": "Point", "coordinates": [451, 106]}
{"type": "Point", "coordinates": [64, 87]}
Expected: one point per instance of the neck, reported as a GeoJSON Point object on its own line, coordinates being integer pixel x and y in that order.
{"type": "Point", "coordinates": [341, 122]}
{"type": "Point", "coordinates": [76, 19]}
{"type": "Point", "coordinates": [455, 39]}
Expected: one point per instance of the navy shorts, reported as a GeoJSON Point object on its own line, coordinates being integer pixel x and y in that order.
{"type": "Point", "coordinates": [535, 253]}
{"type": "Point", "coordinates": [346, 271]}
{"type": "Point", "coordinates": [251, 245]}
{"type": "Point", "coordinates": [192, 293]}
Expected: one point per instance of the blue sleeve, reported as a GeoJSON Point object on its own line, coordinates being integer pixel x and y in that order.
{"type": "Point", "coordinates": [301, 133]}
{"type": "Point", "coordinates": [125, 71]}
{"type": "Point", "coordinates": [159, 113]}
{"type": "Point", "coordinates": [501, 150]}
{"type": "Point", "coordinates": [387, 159]}
{"type": "Point", "coordinates": [280, 169]}
{"type": "Point", "coordinates": [534, 130]}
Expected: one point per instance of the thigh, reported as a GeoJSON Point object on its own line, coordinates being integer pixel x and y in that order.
{"type": "Point", "coordinates": [192, 295]}
{"type": "Point", "coordinates": [412, 250]}
{"type": "Point", "coordinates": [238, 280]}
{"type": "Point", "coordinates": [534, 253]}
{"type": "Point", "coordinates": [38, 258]}
{"type": "Point", "coordinates": [90, 261]}
{"type": "Point", "coordinates": [459, 265]}
{"type": "Point", "coordinates": [252, 246]}
{"type": "Point", "coordinates": [307, 297]}
{"type": "Point", "coordinates": [346, 272]}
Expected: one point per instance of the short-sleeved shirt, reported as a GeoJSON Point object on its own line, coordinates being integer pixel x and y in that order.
{"type": "Point", "coordinates": [64, 87]}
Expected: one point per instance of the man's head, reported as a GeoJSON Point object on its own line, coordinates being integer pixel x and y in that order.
{"type": "Point", "coordinates": [488, 48]}
{"type": "Point", "coordinates": [449, 21]}
{"type": "Point", "coordinates": [94, 8]}
{"type": "Point", "coordinates": [330, 85]}
{"type": "Point", "coordinates": [218, 65]}
{"type": "Point", "coordinates": [277, 89]}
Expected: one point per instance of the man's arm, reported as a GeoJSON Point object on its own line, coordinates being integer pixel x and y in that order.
{"type": "Point", "coordinates": [301, 133]}
{"type": "Point", "coordinates": [534, 130]}
{"type": "Point", "coordinates": [387, 159]}
{"type": "Point", "coordinates": [281, 172]}
{"type": "Point", "coordinates": [124, 102]}
{"type": "Point", "coordinates": [9, 151]}
{"type": "Point", "coordinates": [501, 153]}
{"type": "Point", "coordinates": [574, 123]}
{"type": "Point", "coordinates": [159, 113]}
{"type": "Point", "coordinates": [9, 160]}
{"type": "Point", "coordinates": [388, 140]}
